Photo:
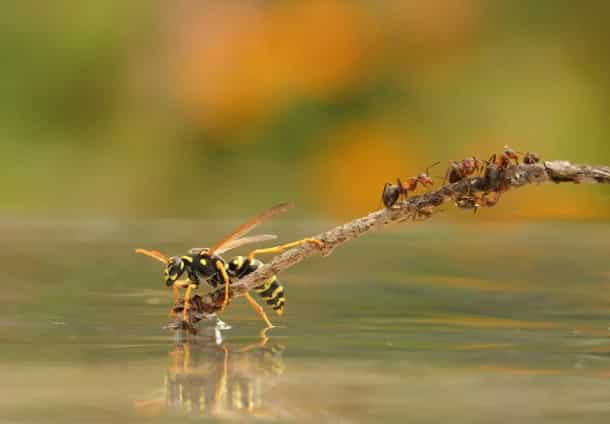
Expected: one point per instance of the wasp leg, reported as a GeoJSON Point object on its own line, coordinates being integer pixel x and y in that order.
{"type": "Point", "coordinates": [259, 309]}
{"type": "Point", "coordinates": [281, 248]}
{"type": "Point", "coordinates": [227, 282]}
{"type": "Point", "coordinates": [176, 295]}
{"type": "Point", "coordinates": [187, 300]}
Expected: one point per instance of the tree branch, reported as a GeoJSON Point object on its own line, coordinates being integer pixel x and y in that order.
{"type": "Point", "coordinates": [469, 193]}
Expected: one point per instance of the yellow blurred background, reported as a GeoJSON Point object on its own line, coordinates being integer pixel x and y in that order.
{"type": "Point", "coordinates": [201, 108]}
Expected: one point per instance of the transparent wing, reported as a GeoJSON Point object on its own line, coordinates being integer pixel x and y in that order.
{"type": "Point", "coordinates": [234, 244]}
{"type": "Point", "coordinates": [154, 254]}
{"type": "Point", "coordinates": [247, 226]}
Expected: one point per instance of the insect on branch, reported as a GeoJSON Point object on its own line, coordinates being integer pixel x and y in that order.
{"type": "Point", "coordinates": [468, 193]}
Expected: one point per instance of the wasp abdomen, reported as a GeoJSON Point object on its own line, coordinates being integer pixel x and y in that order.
{"type": "Point", "coordinates": [272, 291]}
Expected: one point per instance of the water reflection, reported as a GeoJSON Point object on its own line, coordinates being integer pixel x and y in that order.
{"type": "Point", "coordinates": [207, 377]}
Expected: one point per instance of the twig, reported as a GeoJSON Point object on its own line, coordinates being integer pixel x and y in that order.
{"type": "Point", "coordinates": [421, 207]}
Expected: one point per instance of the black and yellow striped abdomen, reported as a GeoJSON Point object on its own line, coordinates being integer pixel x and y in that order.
{"type": "Point", "coordinates": [271, 291]}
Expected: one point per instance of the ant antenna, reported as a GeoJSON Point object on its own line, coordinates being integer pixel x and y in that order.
{"type": "Point", "coordinates": [431, 166]}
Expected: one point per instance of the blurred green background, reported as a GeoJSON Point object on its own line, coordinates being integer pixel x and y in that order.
{"type": "Point", "coordinates": [206, 108]}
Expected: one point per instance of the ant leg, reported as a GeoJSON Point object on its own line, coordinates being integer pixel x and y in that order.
{"type": "Point", "coordinates": [385, 187]}
{"type": "Point", "coordinates": [492, 159]}
{"type": "Point", "coordinates": [281, 248]}
{"type": "Point", "coordinates": [258, 309]}
{"type": "Point", "coordinates": [402, 193]}
{"type": "Point", "coordinates": [447, 174]}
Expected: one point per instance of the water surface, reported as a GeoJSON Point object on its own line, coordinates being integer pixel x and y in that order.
{"type": "Point", "coordinates": [472, 324]}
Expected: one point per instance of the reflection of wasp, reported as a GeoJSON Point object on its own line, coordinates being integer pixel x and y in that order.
{"type": "Point", "coordinates": [207, 264]}
{"type": "Point", "coordinates": [392, 192]}
{"type": "Point", "coordinates": [207, 377]}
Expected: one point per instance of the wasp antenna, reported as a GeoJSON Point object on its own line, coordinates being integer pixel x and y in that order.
{"type": "Point", "coordinates": [153, 254]}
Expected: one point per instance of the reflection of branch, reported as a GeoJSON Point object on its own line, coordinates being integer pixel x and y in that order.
{"type": "Point", "coordinates": [421, 207]}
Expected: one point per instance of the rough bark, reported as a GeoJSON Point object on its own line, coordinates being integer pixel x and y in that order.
{"type": "Point", "coordinates": [464, 193]}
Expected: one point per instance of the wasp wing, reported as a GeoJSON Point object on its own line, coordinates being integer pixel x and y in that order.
{"type": "Point", "coordinates": [234, 244]}
{"type": "Point", "coordinates": [247, 226]}
{"type": "Point", "coordinates": [154, 254]}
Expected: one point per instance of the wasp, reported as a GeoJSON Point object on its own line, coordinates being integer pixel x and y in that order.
{"type": "Point", "coordinates": [208, 265]}
{"type": "Point", "coordinates": [457, 171]}
{"type": "Point", "coordinates": [392, 192]}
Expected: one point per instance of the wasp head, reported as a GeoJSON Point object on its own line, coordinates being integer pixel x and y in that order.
{"type": "Point", "coordinates": [173, 270]}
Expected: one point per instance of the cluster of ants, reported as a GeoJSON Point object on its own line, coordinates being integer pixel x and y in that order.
{"type": "Point", "coordinates": [492, 183]}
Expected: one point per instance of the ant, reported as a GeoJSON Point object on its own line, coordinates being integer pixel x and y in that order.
{"type": "Point", "coordinates": [496, 166]}
{"type": "Point", "coordinates": [504, 159]}
{"type": "Point", "coordinates": [457, 171]}
{"type": "Point", "coordinates": [474, 202]}
{"type": "Point", "coordinates": [392, 192]}
{"type": "Point", "coordinates": [530, 158]}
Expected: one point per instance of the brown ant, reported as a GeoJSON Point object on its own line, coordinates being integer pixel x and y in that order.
{"type": "Point", "coordinates": [504, 159]}
{"type": "Point", "coordinates": [457, 171]}
{"type": "Point", "coordinates": [530, 158]}
{"type": "Point", "coordinates": [474, 202]}
{"type": "Point", "coordinates": [496, 166]}
{"type": "Point", "coordinates": [392, 192]}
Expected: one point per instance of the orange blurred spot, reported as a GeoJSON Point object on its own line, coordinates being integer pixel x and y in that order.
{"type": "Point", "coordinates": [349, 176]}
{"type": "Point", "coordinates": [237, 62]}
{"type": "Point", "coordinates": [432, 31]}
